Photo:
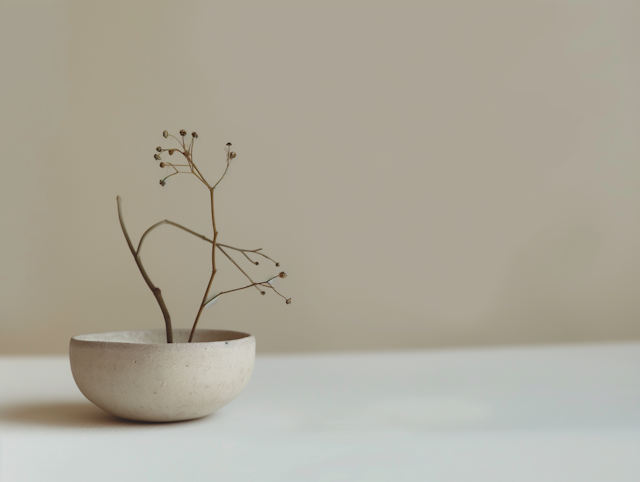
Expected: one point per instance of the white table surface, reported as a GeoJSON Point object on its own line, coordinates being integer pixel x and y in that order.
{"type": "Point", "coordinates": [564, 413]}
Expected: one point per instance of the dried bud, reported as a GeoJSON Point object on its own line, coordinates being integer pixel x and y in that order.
{"type": "Point", "coordinates": [228, 143]}
{"type": "Point", "coordinates": [232, 155]}
{"type": "Point", "coordinates": [156, 157]}
{"type": "Point", "coordinates": [162, 164]}
{"type": "Point", "coordinates": [162, 183]}
{"type": "Point", "coordinates": [165, 134]}
{"type": "Point", "coordinates": [277, 264]}
{"type": "Point", "coordinates": [183, 132]}
{"type": "Point", "coordinates": [289, 301]}
{"type": "Point", "coordinates": [262, 292]}
{"type": "Point", "coordinates": [282, 275]}
{"type": "Point", "coordinates": [194, 134]}
{"type": "Point", "coordinates": [256, 263]}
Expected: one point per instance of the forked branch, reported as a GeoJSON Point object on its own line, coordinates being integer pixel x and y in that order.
{"type": "Point", "coordinates": [264, 284]}
{"type": "Point", "coordinates": [204, 238]}
{"type": "Point", "coordinates": [154, 289]}
{"type": "Point", "coordinates": [186, 149]}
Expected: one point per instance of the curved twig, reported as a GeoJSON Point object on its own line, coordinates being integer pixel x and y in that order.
{"type": "Point", "coordinates": [204, 238]}
{"type": "Point", "coordinates": [154, 289]}
{"type": "Point", "coordinates": [226, 169]}
{"type": "Point", "coordinates": [171, 223]}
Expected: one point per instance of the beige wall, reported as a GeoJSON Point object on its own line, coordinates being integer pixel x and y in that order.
{"type": "Point", "coordinates": [428, 173]}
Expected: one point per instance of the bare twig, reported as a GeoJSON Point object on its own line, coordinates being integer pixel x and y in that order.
{"type": "Point", "coordinates": [202, 305]}
{"type": "Point", "coordinates": [266, 284]}
{"type": "Point", "coordinates": [204, 238]}
{"type": "Point", "coordinates": [154, 289]}
{"type": "Point", "coordinates": [238, 266]}
{"type": "Point", "coordinates": [213, 268]}
{"type": "Point", "coordinates": [171, 223]}
{"type": "Point", "coordinates": [187, 152]}
{"type": "Point", "coordinates": [227, 168]}
{"type": "Point", "coordinates": [254, 251]}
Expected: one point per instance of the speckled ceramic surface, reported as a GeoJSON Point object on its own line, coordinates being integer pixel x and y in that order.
{"type": "Point", "coordinates": [138, 376]}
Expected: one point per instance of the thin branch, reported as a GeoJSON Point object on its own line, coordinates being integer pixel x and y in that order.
{"type": "Point", "coordinates": [202, 305]}
{"type": "Point", "coordinates": [223, 174]}
{"type": "Point", "coordinates": [227, 168]}
{"type": "Point", "coordinates": [238, 266]}
{"type": "Point", "coordinates": [204, 238]}
{"type": "Point", "coordinates": [238, 249]}
{"type": "Point", "coordinates": [154, 289]}
{"type": "Point", "coordinates": [213, 267]}
{"type": "Point", "coordinates": [187, 154]}
{"type": "Point", "coordinates": [266, 284]}
{"type": "Point", "coordinates": [199, 176]}
{"type": "Point", "coordinates": [173, 174]}
{"type": "Point", "coordinates": [181, 144]}
{"type": "Point", "coordinates": [254, 251]}
{"type": "Point", "coordinates": [176, 165]}
{"type": "Point", "coordinates": [252, 261]}
{"type": "Point", "coordinates": [271, 286]}
{"type": "Point", "coordinates": [264, 255]}
{"type": "Point", "coordinates": [194, 169]}
{"type": "Point", "coordinates": [171, 223]}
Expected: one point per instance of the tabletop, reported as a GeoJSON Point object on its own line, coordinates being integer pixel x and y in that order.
{"type": "Point", "coordinates": [548, 413]}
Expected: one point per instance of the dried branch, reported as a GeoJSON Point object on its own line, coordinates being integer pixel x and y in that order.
{"type": "Point", "coordinates": [230, 155]}
{"type": "Point", "coordinates": [213, 267]}
{"type": "Point", "coordinates": [171, 223]}
{"type": "Point", "coordinates": [254, 251]}
{"type": "Point", "coordinates": [265, 284]}
{"type": "Point", "coordinates": [154, 289]}
{"type": "Point", "coordinates": [187, 152]}
{"type": "Point", "coordinates": [238, 266]}
{"type": "Point", "coordinates": [204, 238]}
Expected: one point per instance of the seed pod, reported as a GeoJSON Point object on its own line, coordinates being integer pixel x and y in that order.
{"type": "Point", "coordinates": [194, 134]}
{"type": "Point", "coordinates": [162, 183]}
{"type": "Point", "coordinates": [159, 149]}
{"type": "Point", "coordinates": [183, 132]}
{"type": "Point", "coordinates": [277, 264]}
{"type": "Point", "coordinates": [171, 151]}
{"type": "Point", "coordinates": [282, 274]}
{"type": "Point", "coordinates": [162, 164]}
{"type": "Point", "coordinates": [228, 143]}
{"type": "Point", "coordinates": [156, 157]}
{"type": "Point", "coordinates": [165, 134]}
{"type": "Point", "coordinates": [232, 155]}
{"type": "Point", "coordinates": [289, 301]}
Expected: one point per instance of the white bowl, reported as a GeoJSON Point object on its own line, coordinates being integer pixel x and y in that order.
{"type": "Point", "coordinates": [139, 376]}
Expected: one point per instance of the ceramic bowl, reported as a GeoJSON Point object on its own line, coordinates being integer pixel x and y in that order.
{"type": "Point", "coordinates": [137, 375]}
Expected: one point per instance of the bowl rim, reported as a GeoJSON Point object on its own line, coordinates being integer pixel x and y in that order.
{"type": "Point", "coordinates": [93, 338]}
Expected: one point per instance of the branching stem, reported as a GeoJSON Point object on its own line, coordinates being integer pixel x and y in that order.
{"type": "Point", "coordinates": [204, 238]}
{"type": "Point", "coordinates": [213, 268]}
{"type": "Point", "coordinates": [154, 289]}
{"type": "Point", "coordinates": [266, 284]}
{"type": "Point", "coordinates": [254, 251]}
{"type": "Point", "coordinates": [238, 266]}
{"type": "Point", "coordinates": [187, 152]}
